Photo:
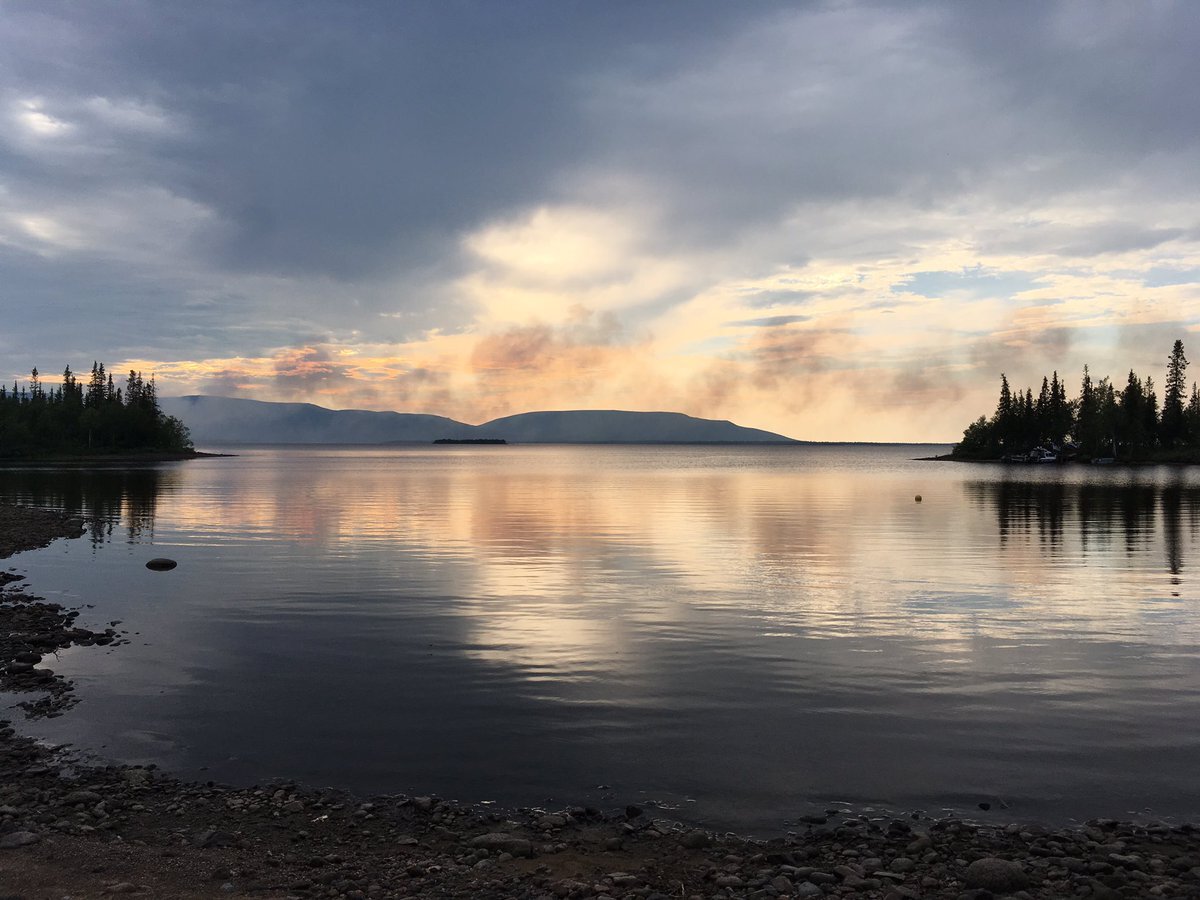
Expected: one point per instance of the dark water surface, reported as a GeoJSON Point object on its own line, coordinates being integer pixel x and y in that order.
{"type": "Point", "coordinates": [740, 634]}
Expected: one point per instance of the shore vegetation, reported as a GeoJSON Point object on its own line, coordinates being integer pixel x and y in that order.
{"type": "Point", "coordinates": [1105, 423]}
{"type": "Point", "coordinates": [86, 418]}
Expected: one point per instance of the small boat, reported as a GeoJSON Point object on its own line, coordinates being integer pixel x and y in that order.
{"type": "Point", "coordinates": [1048, 457]}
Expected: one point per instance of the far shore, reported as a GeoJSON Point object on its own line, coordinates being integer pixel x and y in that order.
{"type": "Point", "coordinates": [106, 459]}
{"type": "Point", "coordinates": [71, 826]}
{"type": "Point", "coordinates": [1073, 463]}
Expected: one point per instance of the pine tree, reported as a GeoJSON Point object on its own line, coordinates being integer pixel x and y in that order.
{"type": "Point", "coordinates": [95, 391]}
{"type": "Point", "coordinates": [1087, 419]}
{"type": "Point", "coordinates": [1150, 414]}
{"type": "Point", "coordinates": [1004, 422]}
{"type": "Point", "coordinates": [1173, 431]}
{"type": "Point", "coordinates": [1192, 418]}
{"type": "Point", "coordinates": [1044, 413]}
{"type": "Point", "coordinates": [36, 420]}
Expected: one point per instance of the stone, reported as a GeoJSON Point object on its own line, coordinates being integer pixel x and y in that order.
{"type": "Point", "coordinates": [161, 564]}
{"type": "Point", "coordinates": [503, 842]}
{"type": "Point", "coordinates": [81, 797]}
{"type": "Point", "coordinates": [902, 864]}
{"type": "Point", "coordinates": [808, 889]}
{"type": "Point", "coordinates": [783, 884]}
{"type": "Point", "coordinates": [1000, 876]}
{"type": "Point", "coordinates": [921, 842]}
{"type": "Point", "coordinates": [1101, 891]}
{"type": "Point", "coordinates": [695, 840]}
{"type": "Point", "coordinates": [215, 839]}
{"type": "Point", "coordinates": [293, 806]}
{"type": "Point", "coordinates": [15, 839]}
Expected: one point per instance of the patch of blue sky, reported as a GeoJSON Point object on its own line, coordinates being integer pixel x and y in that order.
{"type": "Point", "coordinates": [769, 321]}
{"type": "Point", "coordinates": [975, 283]}
{"type": "Point", "coordinates": [715, 344]}
{"type": "Point", "coordinates": [1164, 276]}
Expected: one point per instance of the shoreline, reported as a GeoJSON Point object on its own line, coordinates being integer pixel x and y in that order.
{"type": "Point", "coordinates": [105, 459]}
{"type": "Point", "coordinates": [85, 829]}
{"type": "Point", "coordinates": [1118, 464]}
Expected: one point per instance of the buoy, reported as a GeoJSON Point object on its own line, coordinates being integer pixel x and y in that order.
{"type": "Point", "coordinates": [161, 564]}
{"type": "Point", "coordinates": [917, 498]}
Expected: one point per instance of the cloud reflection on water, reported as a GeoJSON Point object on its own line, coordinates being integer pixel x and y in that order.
{"type": "Point", "coordinates": [758, 630]}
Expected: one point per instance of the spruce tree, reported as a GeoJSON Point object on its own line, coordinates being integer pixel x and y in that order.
{"type": "Point", "coordinates": [1191, 418]}
{"type": "Point", "coordinates": [1173, 430]}
{"type": "Point", "coordinates": [1004, 421]}
{"type": "Point", "coordinates": [1151, 414]}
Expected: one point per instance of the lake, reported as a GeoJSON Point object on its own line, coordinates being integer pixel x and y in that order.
{"type": "Point", "coordinates": [736, 635]}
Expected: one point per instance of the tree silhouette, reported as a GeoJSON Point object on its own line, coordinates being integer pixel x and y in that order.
{"type": "Point", "coordinates": [1101, 422]}
{"type": "Point", "coordinates": [103, 419]}
{"type": "Point", "coordinates": [1174, 425]}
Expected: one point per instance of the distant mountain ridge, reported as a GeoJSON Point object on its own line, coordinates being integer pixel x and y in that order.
{"type": "Point", "coordinates": [615, 426]}
{"type": "Point", "coordinates": [233, 420]}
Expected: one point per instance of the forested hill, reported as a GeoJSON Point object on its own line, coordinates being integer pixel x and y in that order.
{"type": "Point", "coordinates": [615, 426]}
{"type": "Point", "coordinates": [230, 420]}
{"type": "Point", "coordinates": [78, 418]}
{"type": "Point", "coordinates": [1105, 421]}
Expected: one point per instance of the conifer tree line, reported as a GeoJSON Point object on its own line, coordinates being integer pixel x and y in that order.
{"type": "Point", "coordinates": [86, 416]}
{"type": "Point", "coordinates": [1104, 421]}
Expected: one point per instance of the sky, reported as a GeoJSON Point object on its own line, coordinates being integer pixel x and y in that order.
{"type": "Point", "coordinates": [833, 220]}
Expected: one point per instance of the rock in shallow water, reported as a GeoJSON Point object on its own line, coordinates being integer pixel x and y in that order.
{"type": "Point", "coordinates": [161, 564]}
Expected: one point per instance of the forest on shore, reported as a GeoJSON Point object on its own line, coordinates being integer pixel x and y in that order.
{"type": "Point", "coordinates": [1102, 424]}
{"type": "Point", "coordinates": [87, 418]}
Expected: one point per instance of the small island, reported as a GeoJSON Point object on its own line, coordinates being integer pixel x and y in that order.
{"type": "Point", "coordinates": [1102, 426]}
{"type": "Point", "coordinates": [470, 441]}
{"type": "Point", "coordinates": [89, 421]}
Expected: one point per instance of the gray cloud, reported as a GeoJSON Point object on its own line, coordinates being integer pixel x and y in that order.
{"type": "Point", "coordinates": [228, 176]}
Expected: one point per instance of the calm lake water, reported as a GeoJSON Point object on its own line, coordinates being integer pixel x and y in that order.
{"type": "Point", "coordinates": [740, 635]}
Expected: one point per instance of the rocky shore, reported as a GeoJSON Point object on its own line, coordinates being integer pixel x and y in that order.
{"type": "Point", "coordinates": [74, 829]}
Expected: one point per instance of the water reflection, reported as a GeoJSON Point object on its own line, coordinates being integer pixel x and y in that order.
{"type": "Point", "coordinates": [115, 503]}
{"type": "Point", "coordinates": [1137, 515]}
{"type": "Point", "coordinates": [762, 632]}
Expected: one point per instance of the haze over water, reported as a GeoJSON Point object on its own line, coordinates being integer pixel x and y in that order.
{"type": "Point", "coordinates": [741, 634]}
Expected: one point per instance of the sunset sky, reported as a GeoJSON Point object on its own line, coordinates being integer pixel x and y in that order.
{"type": "Point", "coordinates": [832, 220]}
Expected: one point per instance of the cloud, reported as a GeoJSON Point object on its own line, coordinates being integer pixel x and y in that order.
{"type": "Point", "coordinates": [769, 322]}
{"type": "Point", "coordinates": [771, 208]}
{"type": "Point", "coordinates": [308, 370]}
